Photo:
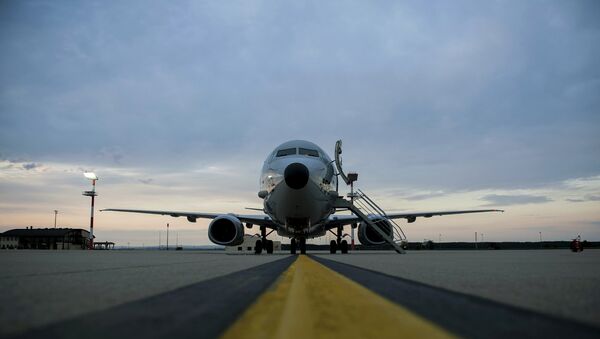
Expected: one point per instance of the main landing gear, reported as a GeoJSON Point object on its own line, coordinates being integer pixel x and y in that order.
{"type": "Point", "coordinates": [295, 244]}
{"type": "Point", "coordinates": [264, 243]}
{"type": "Point", "coordinates": [340, 244]}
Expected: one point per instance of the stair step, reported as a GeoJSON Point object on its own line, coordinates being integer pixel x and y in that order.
{"type": "Point", "coordinates": [363, 202]}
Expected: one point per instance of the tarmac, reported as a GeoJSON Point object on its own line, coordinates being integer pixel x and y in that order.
{"type": "Point", "coordinates": [529, 293]}
{"type": "Point", "coordinates": [555, 282]}
{"type": "Point", "coordinates": [43, 287]}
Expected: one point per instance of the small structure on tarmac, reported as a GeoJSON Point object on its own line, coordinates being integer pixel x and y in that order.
{"type": "Point", "coordinates": [104, 245]}
{"type": "Point", "coordinates": [248, 246]}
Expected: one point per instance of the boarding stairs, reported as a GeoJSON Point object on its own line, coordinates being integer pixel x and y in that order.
{"type": "Point", "coordinates": [368, 211]}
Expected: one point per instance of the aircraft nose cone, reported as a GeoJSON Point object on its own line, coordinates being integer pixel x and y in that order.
{"type": "Point", "coordinates": [296, 175]}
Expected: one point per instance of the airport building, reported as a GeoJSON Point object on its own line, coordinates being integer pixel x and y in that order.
{"type": "Point", "coordinates": [45, 238]}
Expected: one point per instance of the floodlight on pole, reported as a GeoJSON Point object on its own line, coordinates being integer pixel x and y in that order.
{"type": "Point", "coordinates": [93, 177]}
{"type": "Point", "coordinates": [55, 214]}
{"type": "Point", "coordinates": [90, 175]}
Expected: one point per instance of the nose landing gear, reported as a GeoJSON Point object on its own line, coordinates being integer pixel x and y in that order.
{"type": "Point", "coordinates": [294, 244]}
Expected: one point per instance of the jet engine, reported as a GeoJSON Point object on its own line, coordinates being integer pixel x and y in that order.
{"type": "Point", "coordinates": [370, 237]}
{"type": "Point", "coordinates": [226, 230]}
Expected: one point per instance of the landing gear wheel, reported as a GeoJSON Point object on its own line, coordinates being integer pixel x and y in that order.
{"type": "Point", "coordinates": [293, 246]}
{"type": "Point", "coordinates": [258, 247]}
{"type": "Point", "coordinates": [302, 246]}
{"type": "Point", "coordinates": [332, 247]}
{"type": "Point", "coordinates": [344, 247]}
{"type": "Point", "coordinates": [269, 246]}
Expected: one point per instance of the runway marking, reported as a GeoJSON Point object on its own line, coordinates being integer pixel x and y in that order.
{"type": "Point", "coordinates": [312, 301]}
{"type": "Point", "coordinates": [465, 315]}
{"type": "Point", "coordinates": [201, 310]}
{"type": "Point", "coordinates": [305, 297]}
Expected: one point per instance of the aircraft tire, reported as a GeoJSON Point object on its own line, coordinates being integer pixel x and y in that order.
{"type": "Point", "coordinates": [293, 246]}
{"type": "Point", "coordinates": [258, 247]}
{"type": "Point", "coordinates": [302, 246]}
{"type": "Point", "coordinates": [332, 247]}
{"type": "Point", "coordinates": [269, 246]}
{"type": "Point", "coordinates": [344, 247]}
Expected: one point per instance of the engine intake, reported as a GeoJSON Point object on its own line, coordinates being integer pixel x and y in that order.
{"type": "Point", "coordinates": [370, 237]}
{"type": "Point", "coordinates": [226, 230]}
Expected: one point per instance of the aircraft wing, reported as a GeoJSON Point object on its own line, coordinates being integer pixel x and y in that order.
{"type": "Point", "coordinates": [262, 220]}
{"type": "Point", "coordinates": [341, 220]}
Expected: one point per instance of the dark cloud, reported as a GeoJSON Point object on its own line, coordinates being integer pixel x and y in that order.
{"type": "Point", "coordinates": [21, 165]}
{"type": "Point", "coordinates": [146, 181]}
{"type": "Point", "coordinates": [507, 200]}
{"type": "Point", "coordinates": [31, 165]}
{"type": "Point", "coordinates": [113, 154]}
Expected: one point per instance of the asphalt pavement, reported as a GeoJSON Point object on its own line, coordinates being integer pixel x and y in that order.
{"type": "Point", "coordinates": [555, 282]}
{"type": "Point", "coordinates": [203, 294]}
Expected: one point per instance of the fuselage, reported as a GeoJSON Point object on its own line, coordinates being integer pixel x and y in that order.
{"type": "Point", "coordinates": [298, 185]}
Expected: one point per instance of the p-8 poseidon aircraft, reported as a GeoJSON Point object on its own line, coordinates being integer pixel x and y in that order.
{"type": "Point", "coordinates": [298, 185]}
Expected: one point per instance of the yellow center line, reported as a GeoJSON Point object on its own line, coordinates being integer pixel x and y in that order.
{"type": "Point", "coordinates": [312, 301]}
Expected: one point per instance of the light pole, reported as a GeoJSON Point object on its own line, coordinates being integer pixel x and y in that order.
{"type": "Point", "coordinates": [541, 246]}
{"type": "Point", "coordinates": [93, 177]}
{"type": "Point", "coordinates": [167, 236]}
{"type": "Point", "coordinates": [55, 213]}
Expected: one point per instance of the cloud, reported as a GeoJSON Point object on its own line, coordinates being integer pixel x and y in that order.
{"type": "Point", "coordinates": [507, 200]}
{"type": "Point", "coordinates": [114, 154]}
{"type": "Point", "coordinates": [146, 181]}
{"type": "Point", "coordinates": [414, 95]}
{"type": "Point", "coordinates": [15, 168]}
{"type": "Point", "coordinates": [424, 196]}
{"type": "Point", "coordinates": [587, 197]}
{"type": "Point", "coordinates": [31, 165]}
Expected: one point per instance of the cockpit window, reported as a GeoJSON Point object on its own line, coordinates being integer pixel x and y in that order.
{"type": "Point", "coordinates": [286, 151]}
{"type": "Point", "coordinates": [309, 152]}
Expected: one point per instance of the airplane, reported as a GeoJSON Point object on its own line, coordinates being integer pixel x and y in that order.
{"type": "Point", "coordinates": [298, 185]}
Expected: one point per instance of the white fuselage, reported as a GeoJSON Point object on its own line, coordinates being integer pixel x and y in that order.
{"type": "Point", "coordinates": [298, 184]}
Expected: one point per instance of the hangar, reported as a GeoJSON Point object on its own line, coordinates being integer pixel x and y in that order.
{"type": "Point", "coordinates": [45, 238]}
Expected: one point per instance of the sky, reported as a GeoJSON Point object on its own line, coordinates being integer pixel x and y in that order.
{"type": "Point", "coordinates": [175, 105]}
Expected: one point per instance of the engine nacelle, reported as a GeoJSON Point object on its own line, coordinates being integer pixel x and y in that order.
{"type": "Point", "coordinates": [370, 237]}
{"type": "Point", "coordinates": [226, 230]}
